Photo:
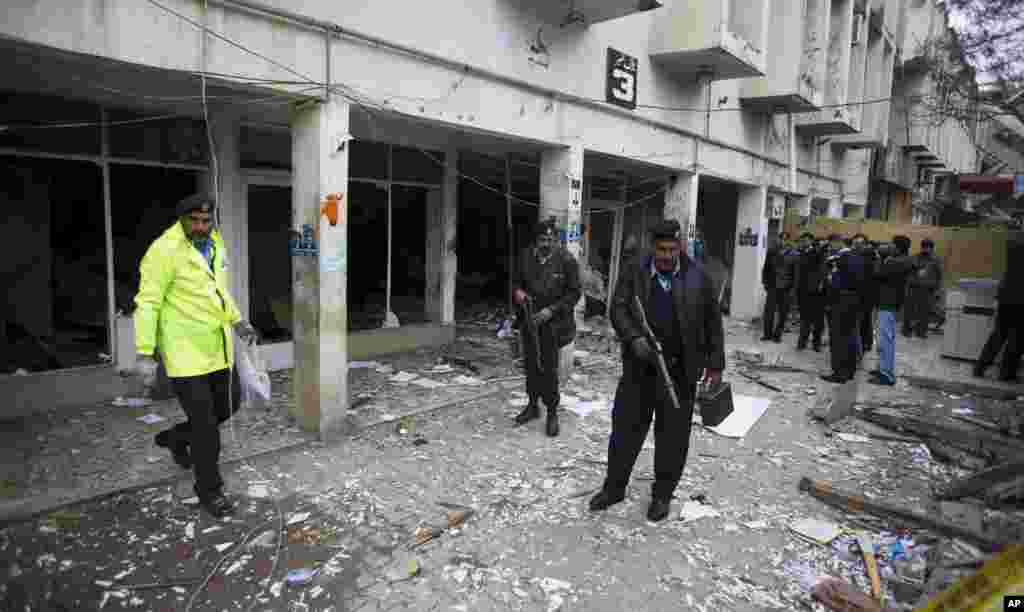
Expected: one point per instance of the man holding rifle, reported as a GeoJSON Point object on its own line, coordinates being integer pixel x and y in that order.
{"type": "Point", "coordinates": [664, 308]}
{"type": "Point", "coordinates": [546, 285]}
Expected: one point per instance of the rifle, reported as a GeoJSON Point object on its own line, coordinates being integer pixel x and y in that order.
{"type": "Point", "coordinates": [532, 331]}
{"type": "Point", "coordinates": [659, 354]}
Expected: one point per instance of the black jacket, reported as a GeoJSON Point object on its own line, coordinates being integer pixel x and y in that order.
{"type": "Point", "coordinates": [812, 272]}
{"type": "Point", "coordinates": [928, 272]}
{"type": "Point", "coordinates": [768, 271]}
{"type": "Point", "coordinates": [696, 308]}
{"type": "Point", "coordinates": [892, 278]}
{"type": "Point", "coordinates": [554, 284]}
{"type": "Point", "coordinates": [786, 262]}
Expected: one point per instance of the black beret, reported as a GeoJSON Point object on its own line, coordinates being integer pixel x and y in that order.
{"type": "Point", "coordinates": [193, 202]}
{"type": "Point", "coordinates": [547, 227]}
{"type": "Point", "coordinates": [666, 229]}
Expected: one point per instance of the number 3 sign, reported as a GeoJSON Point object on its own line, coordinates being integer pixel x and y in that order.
{"type": "Point", "coordinates": [621, 79]}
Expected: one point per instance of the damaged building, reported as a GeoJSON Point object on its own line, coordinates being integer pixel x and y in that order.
{"type": "Point", "coordinates": [443, 145]}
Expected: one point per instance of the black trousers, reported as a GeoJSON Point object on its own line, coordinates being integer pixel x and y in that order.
{"type": "Point", "coordinates": [1009, 330]}
{"type": "Point", "coordinates": [641, 396]}
{"type": "Point", "coordinates": [917, 312]}
{"type": "Point", "coordinates": [208, 401]}
{"type": "Point", "coordinates": [783, 301]}
{"type": "Point", "coordinates": [768, 315]}
{"type": "Point", "coordinates": [867, 326]}
{"type": "Point", "coordinates": [812, 318]}
{"type": "Point", "coordinates": [843, 329]}
{"type": "Point", "coordinates": [542, 382]}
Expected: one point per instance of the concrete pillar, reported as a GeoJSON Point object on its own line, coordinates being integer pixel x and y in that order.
{"type": "Point", "coordinates": [561, 196]}
{"type": "Point", "coordinates": [751, 236]}
{"type": "Point", "coordinates": [835, 208]}
{"type": "Point", "coordinates": [442, 261]}
{"type": "Point", "coordinates": [802, 205]}
{"type": "Point", "coordinates": [681, 202]}
{"type": "Point", "coordinates": [320, 136]}
{"type": "Point", "coordinates": [226, 169]}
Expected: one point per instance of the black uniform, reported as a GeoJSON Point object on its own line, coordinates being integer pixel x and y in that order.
{"type": "Point", "coordinates": [845, 286]}
{"type": "Point", "coordinates": [869, 297]}
{"type": "Point", "coordinates": [921, 290]}
{"type": "Point", "coordinates": [787, 260]}
{"type": "Point", "coordinates": [768, 282]}
{"type": "Point", "coordinates": [687, 321]}
{"type": "Point", "coordinates": [811, 276]}
{"type": "Point", "coordinates": [552, 282]}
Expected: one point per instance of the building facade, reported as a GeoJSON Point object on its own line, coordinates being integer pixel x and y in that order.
{"type": "Point", "coordinates": [444, 129]}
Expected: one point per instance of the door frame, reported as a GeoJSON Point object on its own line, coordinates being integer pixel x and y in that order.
{"type": "Point", "coordinates": [277, 355]}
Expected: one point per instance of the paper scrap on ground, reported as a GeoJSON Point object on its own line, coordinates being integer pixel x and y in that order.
{"type": "Point", "coordinates": [847, 437]}
{"type": "Point", "coordinates": [297, 518]}
{"type": "Point", "coordinates": [518, 402]}
{"type": "Point", "coordinates": [133, 402]}
{"type": "Point", "coordinates": [222, 547]}
{"type": "Point", "coordinates": [580, 354]}
{"type": "Point", "coordinates": [694, 510]}
{"type": "Point", "coordinates": [569, 400]}
{"type": "Point", "coordinates": [822, 532]}
{"type": "Point", "coordinates": [583, 409]}
{"type": "Point", "coordinates": [963, 411]}
{"type": "Point", "coordinates": [151, 419]}
{"type": "Point", "coordinates": [443, 368]}
{"type": "Point", "coordinates": [462, 379]}
{"type": "Point", "coordinates": [745, 413]}
{"type": "Point", "coordinates": [427, 383]}
{"type": "Point", "coordinates": [756, 525]}
{"type": "Point", "coordinates": [403, 377]}
{"type": "Point", "coordinates": [259, 491]}
{"type": "Point", "coordinates": [362, 365]}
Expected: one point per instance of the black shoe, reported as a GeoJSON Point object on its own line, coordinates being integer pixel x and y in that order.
{"type": "Point", "coordinates": [835, 378]}
{"type": "Point", "coordinates": [777, 339]}
{"type": "Point", "coordinates": [658, 510]}
{"type": "Point", "coordinates": [218, 506]}
{"type": "Point", "coordinates": [1008, 379]}
{"type": "Point", "coordinates": [765, 338]}
{"type": "Point", "coordinates": [978, 373]}
{"type": "Point", "coordinates": [875, 372]}
{"type": "Point", "coordinates": [528, 414]}
{"type": "Point", "coordinates": [817, 348]}
{"type": "Point", "coordinates": [801, 345]}
{"type": "Point", "coordinates": [604, 499]}
{"type": "Point", "coordinates": [552, 425]}
{"type": "Point", "coordinates": [179, 451]}
{"type": "Point", "coordinates": [879, 380]}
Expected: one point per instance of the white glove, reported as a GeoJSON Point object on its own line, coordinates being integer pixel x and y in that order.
{"type": "Point", "coordinates": [246, 332]}
{"type": "Point", "coordinates": [145, 368]}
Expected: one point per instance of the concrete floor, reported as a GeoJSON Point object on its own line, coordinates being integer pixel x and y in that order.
{"type": "Point", "coordinates": [532, 544]}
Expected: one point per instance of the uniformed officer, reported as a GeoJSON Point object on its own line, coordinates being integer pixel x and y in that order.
{"type": "Point", "coordinates": [681, 307]}
{"type": "Point", "coordinates": [811, 291]}
{"type": "Point", "coordinates": [922, 288]}
{"type": "Point", "coordinates": [548, 280]}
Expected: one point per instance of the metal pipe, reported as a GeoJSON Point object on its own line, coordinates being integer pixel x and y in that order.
{"type": "Point", "coordinates": [345, 32]}
{"type": "Point", "coordinates": [108, 238]}
{"type": "Point", "coordinates": [387, 297]}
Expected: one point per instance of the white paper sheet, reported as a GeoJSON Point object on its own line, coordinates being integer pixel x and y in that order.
{"type": "Point", "coordinates": [151, 419]}
{"type": "Point", "coordinates": [584, 409]}
{"type": "Point", "coordinates": [692, 511]}
{"type": "Point", "coordinates": [746, 412]}
{"type": "Point", "coordinates": [403, 377]}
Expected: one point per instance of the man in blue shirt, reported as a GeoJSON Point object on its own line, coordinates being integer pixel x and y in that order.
{"type": "Point", "coordinates": [846, 284]}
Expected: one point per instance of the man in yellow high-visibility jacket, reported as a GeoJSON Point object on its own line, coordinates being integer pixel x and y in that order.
{"type": "Point", "coordinates": [185, 312]}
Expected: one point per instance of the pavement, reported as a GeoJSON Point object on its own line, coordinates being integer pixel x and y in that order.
{"type": "Point", "coordinates": [333, 527]}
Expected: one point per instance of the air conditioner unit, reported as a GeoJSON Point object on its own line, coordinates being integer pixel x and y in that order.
{"type": "Point", "coordinates": [858, 29]}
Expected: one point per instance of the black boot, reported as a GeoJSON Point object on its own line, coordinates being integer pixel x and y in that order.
{"type": "Point", "coordinates": [179, 449]}
{"type": "Point", "coordinates": [658, 509]}
{"type": "Point", "coordinates": [528, 414]}
{"type": "Point", "coordinates": [552, 424]}
{"type": "Point", "coordinates": [604, 499]}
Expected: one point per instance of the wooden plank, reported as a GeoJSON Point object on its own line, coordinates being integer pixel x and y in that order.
{"type": "Point", "coordinates": [984, 479]}
{"type": "Point", "coordinates": [962, 388]}
{"type": "Point", "coordinates": [977, 441]}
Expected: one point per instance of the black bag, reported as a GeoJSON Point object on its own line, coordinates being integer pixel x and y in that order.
{"type": "Point", "coordinates": [715, 403]}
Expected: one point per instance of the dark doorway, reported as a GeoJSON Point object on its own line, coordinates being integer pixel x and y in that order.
{"type": "Point", "coordinates": [54, 272]}
{"type": "Point", "coordinates": [367, 255]}
{"type": "Point", "coordinates": [270, 262]}
{"type": "Point", "coordinates": [717, 208]}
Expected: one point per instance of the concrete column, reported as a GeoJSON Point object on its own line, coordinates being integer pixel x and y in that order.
{"type": "Point", "coordinates": [835, 208]}
{"type": "Point", "coordinates": [561, 196]}
{"type": "Point", "coordinates": [802, 205]}
{"type": "Point", "coordinates": [320, 149]}
{"type": "Point", "coordinates": [751, 219]}
{"type": "Point", "coordinates": [681, 202]}
{"type": "Point", "coordinates": [442, 262]}
{"type": "Point", "coordinates": [231, 200]}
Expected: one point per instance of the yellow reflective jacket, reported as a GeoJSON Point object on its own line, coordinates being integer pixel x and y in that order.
{"type": "Point", "coordinates": [183, 309]}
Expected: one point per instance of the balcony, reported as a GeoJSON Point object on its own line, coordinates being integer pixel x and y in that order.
{"type": "Point", "coordinates": [835, 118]}
{"type": "Point", "coordinates": [875, 91]}
{"type": "Point", "coordinates": [569, 12]}
{"type": "Point", "coordinates": [795, 60]}
{"type": "Point", "coordinates": [723, 37]}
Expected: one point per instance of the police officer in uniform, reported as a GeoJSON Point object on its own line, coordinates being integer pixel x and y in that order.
{"type": "Point", "coordinates": [922, 288]}
{"type": "Point", "coordinates": [681, 307]}
{"type": "Point", "coordinates": [811, 291]}
{"type": "Point", "coordinates": [547, 278]}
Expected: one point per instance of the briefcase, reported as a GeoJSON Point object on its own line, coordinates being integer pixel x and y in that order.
{"type": "Point", "coordinates": [715, 403]}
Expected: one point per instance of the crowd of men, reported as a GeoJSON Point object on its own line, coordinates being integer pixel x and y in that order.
{"type": "Point", "coordinates": [840, 285]}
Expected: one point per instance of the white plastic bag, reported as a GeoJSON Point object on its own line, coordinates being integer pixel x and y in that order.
{"type": "Point", "coordinates": [252, 373]}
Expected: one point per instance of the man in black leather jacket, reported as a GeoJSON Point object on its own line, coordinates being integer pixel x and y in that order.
{"type": "Point", "coordinates": [811, 291]}
{"type": "Point", "coordinates": [681, 307]}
